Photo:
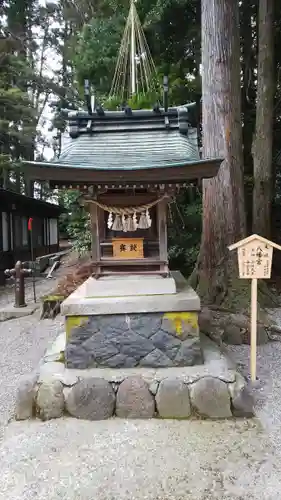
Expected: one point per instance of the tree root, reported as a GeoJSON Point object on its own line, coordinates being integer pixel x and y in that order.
{"type": "Point", "coordinates": [221, 309]}
{"type": "Point", "coordinates": [276, 330]}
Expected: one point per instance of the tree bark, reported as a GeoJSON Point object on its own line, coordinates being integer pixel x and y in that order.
{"type": "Point", "coordinates": [248, 36]}
{"type": "Point", "coordinates": [262, 145]}
{"type": "Point", "coordinates": [223, 196]}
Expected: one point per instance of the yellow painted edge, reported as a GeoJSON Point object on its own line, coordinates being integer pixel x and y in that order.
{"type": "Point", "coordinates": [74, 321]}
{"type": "Point", "coordinates": [181, 318]}
{"type": "Point", "coordinates": [177, 318]}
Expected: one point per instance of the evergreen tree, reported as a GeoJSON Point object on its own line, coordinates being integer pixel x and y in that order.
{"type": "Point", "coordinates": [223, 196]}
{"type": "Point", "coordinates": [16, 113]}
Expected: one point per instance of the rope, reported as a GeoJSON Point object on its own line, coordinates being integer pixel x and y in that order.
{"type": "Point", "coordinates": [143, 68]}
{"type": "Point", "coordinates": [128, 210]}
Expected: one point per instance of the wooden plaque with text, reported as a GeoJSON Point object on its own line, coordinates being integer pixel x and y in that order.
{"type": "Point", "coordinates": [127, 248]}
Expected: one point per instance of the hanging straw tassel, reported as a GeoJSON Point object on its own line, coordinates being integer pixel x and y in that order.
{"type": "Point", "coordinates": [135, 221]}
{"type": "Point", "coordinates": [110, 221]}
{"type": "Point", "coordinates": [124, 224]}
{"type": "Point", "coordinates": [148, 219]}
{"type": "Point", "coordinates": [130, 225]}
{"type": "Point", "coordinates": [142, 222]}
{"type": "Point", "coordinates": [117, 224]}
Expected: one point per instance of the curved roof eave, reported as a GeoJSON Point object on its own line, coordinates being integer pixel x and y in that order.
{"type": "Point", "coordinates": [204, 161]}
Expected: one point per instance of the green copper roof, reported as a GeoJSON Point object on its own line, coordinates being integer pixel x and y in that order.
{"type": "Point", "coordinates": [130, 151]}
{"type": "Point", "coordinates": [133, 140]}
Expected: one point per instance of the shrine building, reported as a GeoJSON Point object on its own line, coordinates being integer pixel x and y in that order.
{"type": "Point", "coordinates": [129, 165]}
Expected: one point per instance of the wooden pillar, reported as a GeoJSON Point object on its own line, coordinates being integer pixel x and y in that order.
{"type": "Point", "coordinates": [94, 217]}
{"type": "Point", "coordinates": [162, 233]}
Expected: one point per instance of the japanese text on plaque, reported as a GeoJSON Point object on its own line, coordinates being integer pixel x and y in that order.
{"type": "Point", "coordinates": [255, 260]}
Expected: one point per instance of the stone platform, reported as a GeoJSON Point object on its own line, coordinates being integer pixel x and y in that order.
{"type": "Point", "coordinates": [123, 286]}
{"type": "Point", "coordinates": [124, 322]}
{"type": "Point", "coordinates": [133, 355]}
{"type": "Point", "coordinates": [136, 294]}
{"type": "Point", "coordinates": [212, 390]}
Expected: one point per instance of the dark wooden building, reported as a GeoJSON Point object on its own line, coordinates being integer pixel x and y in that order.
{"type": "Point", "coordinates": [15, 239]}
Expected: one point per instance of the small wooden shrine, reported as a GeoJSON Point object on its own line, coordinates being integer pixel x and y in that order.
{"type": "Point", "coordinates": [128, 165]}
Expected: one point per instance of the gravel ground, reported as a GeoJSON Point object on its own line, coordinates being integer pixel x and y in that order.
{"type": "Point", "coordinates": [42, 287]}
{"type": "Point", "coordinates": [147, 460]}
{"type": "Point", "coordinates": [22, 344]}
{"type": "Point", "coordinates": [138, 460]}
{"type": "Point", "coordinates": [268, 388]}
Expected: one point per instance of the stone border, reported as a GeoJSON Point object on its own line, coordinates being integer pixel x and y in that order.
{"type": "Point", "coordinates": [213, 390]}
{"type": "Point", "coordinates": [9, 312]}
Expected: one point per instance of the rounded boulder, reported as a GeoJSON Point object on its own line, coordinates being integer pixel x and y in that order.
{"type": "Point", "coordinates": [172, 399]}
{"type": "Point", "coordinates": [210, 398]}
{"type": "Point", "coordinates": [50, 400]}
{"type": "Point", "coordinates": [91, 399]}
{"type": "Point", "coordinates": [134, 400]}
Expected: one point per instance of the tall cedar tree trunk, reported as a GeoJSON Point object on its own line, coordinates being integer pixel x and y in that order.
{"type": "Point", "coordinates": [248, 16]}
{"type": "Point", "coordinates": [262, 146]}
{"type": "Point", "coordinates": [223, 196]}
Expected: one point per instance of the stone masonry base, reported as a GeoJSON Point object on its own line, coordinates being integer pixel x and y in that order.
{"type": "Point", "coordinates": [212, 390]}
{"type": "Point", "coordinates": [156, 340]}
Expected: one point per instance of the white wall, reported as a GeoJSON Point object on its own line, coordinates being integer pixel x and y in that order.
{"type": "Point", "coordinates": [53, 231]}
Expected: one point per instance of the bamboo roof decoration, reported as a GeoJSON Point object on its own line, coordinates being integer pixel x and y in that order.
{"type": "Point", "coordinates": [135, 72]}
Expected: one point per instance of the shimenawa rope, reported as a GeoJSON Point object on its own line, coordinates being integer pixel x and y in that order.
{"type": "Point", "coordinates": [128, 210]}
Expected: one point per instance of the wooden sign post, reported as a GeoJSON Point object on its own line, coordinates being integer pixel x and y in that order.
{"type": "Point", "coordinates": [254, 262]}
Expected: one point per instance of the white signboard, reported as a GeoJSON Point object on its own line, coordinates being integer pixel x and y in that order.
{"type": "Point", "coordinates": [254, 262]}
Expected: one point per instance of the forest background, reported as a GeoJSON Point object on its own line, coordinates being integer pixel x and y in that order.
{"type": "Point", "coordinates": [48, 50]}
